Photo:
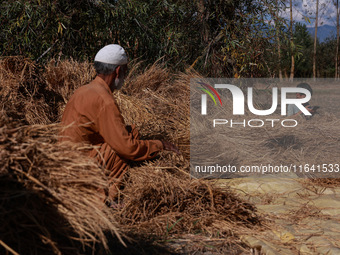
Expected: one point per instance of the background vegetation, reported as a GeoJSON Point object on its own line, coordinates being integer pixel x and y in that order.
{"type": "Point", "coordinates": [241, 38]}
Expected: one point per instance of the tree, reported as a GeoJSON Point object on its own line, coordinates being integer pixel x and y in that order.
{"type": "Point", "coordinates": [148, 29]}
{"type": "Point", "coordinates": [325, 56]}
{"type": "Point", "coordinates": [277, 25]}
{"type": "Point", "coordinates": [304, 42]}
{"type": "Point", "coordinates": [291, 41]}
{"type": "Point", "coordinates": [218, 38]}
{"type": "Point", "coordinates": [337, 41]}
{"type": "Point", "coordinates": [250, 40]}
{"type": "Point", "coordinates": [315, 38]}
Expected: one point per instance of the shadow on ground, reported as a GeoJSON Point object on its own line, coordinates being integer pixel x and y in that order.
{"type": "Point", "coordinates": [137, 244]}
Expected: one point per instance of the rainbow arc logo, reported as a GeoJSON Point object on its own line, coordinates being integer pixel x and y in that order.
{"type": "Point", "coordinates": [209, 90]}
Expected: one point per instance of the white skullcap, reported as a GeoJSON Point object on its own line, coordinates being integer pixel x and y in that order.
{"type": "Point", "coordinates": [112, 54]}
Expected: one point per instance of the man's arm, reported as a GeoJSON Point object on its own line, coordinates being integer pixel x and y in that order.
{"type": "Point", "coordinates": [112, 128]}
{"type": "Point", "coordinates": [170, 147]}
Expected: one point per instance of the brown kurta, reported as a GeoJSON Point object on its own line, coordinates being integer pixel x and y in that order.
{"type": "Point", "coordinates": [92, 116]}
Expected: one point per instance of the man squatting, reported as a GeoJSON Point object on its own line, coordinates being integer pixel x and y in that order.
{"type": "Point", "coordinates": [92, 116]}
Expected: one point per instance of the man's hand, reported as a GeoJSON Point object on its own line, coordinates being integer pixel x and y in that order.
{"type": "Point", "coordinates": [313, 109]}
{"type": "Point", "coordinates": [129, 128]}
{"type": "Point", "coordinates": [170, 147]}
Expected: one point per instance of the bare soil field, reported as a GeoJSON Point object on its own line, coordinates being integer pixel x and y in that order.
{"type": "Point", "coordinates": [328, 98]}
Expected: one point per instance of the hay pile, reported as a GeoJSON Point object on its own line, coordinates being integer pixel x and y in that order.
{"type": "Point", "coordinates": [158, 105]}
{"type": "Point", "coordinates": [159, 197]}
{"type": "Point", "coordinates": [49, 201]}
{"type": "Point", "coordinates": [323, 182]}
{"type": "Point", "coordinates": [66, 76]}
{"type": "Point", "coordinates": [21, 94]}
{"type": "Point", "coordinates": [38, 95]}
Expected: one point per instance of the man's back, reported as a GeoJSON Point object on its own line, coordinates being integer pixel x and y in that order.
{"type": "Point", "coordinates": [81, 112]}
{"type": "Point", "coordinates": [92, 116]}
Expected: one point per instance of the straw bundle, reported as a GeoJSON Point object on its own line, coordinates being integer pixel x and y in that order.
{"type": "Point", "coordinates": [154, 78]}
{"type": "Point", "coordinates": [49, 199]}
{"type": "Point", "coordinates": [323, 182]}
{"type": "Point", "coordinates": [18, 71]}
{"type": "Point", "coordinates": [160, 198]}
{"type": "Point", "coordinates": [158, 106]}
{"type": "Point", "coordinates": [66, 76]}
{"type": "Point", "coordinates": [50, 188]}
{"type": "Point", "coordinates": [22, 92]}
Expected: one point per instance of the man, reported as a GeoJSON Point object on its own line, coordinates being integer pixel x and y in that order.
{"type": "Point", "coordinates": [293, 110]}
{"type": "Point", "coordinates": [92, 116]}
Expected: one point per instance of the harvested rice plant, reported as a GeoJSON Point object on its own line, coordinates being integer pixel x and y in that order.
{"type": "Point", "coordinates": [49, 201]}
{"type": "Point", "coordinates": [51, 193]}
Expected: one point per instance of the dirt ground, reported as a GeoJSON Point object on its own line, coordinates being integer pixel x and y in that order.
{"type": "Point", "coordinates": [328, 98]}
{"type": "Point", "coordinates": [302, 218]}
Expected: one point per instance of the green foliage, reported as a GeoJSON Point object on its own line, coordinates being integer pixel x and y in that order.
{"type": "Point", "coordinates": [304, 61]}
{"type": "Point", "coordinates": [241, 38]}
{"type": "Point", "coordinates": [29, 28]}
{"type": "Point", "coordinates": [218, 38]}
{"type": "Point", "coordinates": [157, 29]}
{"type": "Point", "coordinates": [326, 58]}
{"type": "Point", "coordinates": [77, 29]}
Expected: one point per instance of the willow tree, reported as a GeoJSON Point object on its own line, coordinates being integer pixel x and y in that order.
{"type": "Point", "coordinates": [291, 42]}
{"type": "Point", "coordinates": [277, 30]}
{"type": "Point", "coordinates": [315, 38]}
{"type": "Point", "coordinates": [218, 38]}
{"type": "Point", "coordinates": [147, 29]}
{"type": "Point", "coordinates": [337, 41]}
